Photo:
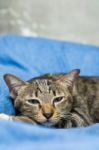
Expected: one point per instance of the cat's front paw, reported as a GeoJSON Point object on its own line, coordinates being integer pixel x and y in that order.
{"type": "Point", "coordinates": [4, 116]}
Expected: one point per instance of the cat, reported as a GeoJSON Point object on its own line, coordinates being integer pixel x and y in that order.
{"type": "Point", "coordinates": [55, 100]}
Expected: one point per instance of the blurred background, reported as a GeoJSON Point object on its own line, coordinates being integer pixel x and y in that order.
{"type": "Point", "coordinates": [71, 20]}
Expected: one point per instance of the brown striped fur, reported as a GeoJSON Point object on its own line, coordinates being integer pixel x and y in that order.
{"type": "Point", "coordinates": [56, 100]}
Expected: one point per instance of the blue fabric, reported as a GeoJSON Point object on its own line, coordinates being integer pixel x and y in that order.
{"type": "Point", "coordinates": [30, 57]}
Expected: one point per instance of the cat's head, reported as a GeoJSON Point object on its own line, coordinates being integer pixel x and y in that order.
{"type": "Point", "coordinates": [46, 99]}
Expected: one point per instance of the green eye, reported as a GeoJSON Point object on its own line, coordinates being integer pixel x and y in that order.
{"type": "Point", "coordinates": [57, 99]}
{"type": "Point", "coordinates": [33, 101]}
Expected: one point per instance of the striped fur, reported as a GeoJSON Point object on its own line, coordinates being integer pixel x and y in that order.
{"type": "Point", "coordinates": [56, 100]}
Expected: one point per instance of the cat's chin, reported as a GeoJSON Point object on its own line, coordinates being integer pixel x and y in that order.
{"type": "Point", "coordinates": [47, 124]}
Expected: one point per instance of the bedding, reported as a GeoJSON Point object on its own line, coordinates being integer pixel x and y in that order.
{"type": "Point", "coordinates": [28, 57]}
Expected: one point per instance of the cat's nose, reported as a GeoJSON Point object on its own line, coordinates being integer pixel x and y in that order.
{"type": "Point", "coordinates": [48, 115]}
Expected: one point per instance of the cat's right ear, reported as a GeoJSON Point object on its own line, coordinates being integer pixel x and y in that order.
{"type": "Point", "coordinates": [14, 84]}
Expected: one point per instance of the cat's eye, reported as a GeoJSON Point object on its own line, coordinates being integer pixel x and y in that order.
{"type": "Point", "coordinates": [58, 99]}
{"type": "Point", "coordinates": [33, 101]}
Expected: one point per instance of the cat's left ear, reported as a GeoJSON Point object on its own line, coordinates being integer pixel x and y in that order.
{"type": "Point", "coordinates": [70, 77]}
{"type": "Point", "coordinates": [14, 84]}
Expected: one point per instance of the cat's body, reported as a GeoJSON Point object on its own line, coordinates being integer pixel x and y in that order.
{"type": "Point", "coordinates": [56, 100]}
{"type": "Point", "coordinates": [86, 96]}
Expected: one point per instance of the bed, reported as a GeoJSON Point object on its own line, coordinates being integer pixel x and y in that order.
{"type": "Point", "coordinates": [28, 57]}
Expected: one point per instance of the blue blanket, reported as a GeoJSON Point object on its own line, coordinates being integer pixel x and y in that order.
{"type": "Point", "coordinates": [30, 57]}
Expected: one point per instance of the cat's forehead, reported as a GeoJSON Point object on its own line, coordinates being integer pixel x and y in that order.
{"type": "Point", "coordinates": [42, 82]}
{"type": "Point", "coordinates": [44, 86]}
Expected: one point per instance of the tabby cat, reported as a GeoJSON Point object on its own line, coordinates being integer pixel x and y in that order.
{"type": "Point", "coordinates": [55, 100]}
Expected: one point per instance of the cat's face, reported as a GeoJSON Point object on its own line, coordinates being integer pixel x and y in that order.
{"type": "Point", "coordinates": [45, 100]}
